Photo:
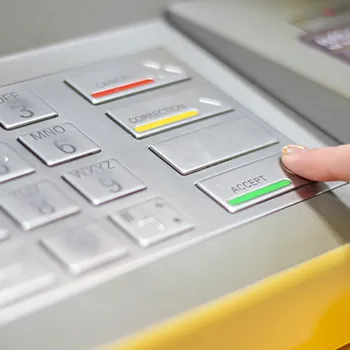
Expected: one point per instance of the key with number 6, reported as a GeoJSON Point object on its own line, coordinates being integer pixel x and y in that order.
{"type": "Point", "coordinates": [59, 144]}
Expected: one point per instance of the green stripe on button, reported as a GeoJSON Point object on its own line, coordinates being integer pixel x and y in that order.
{"type": "Point", "coordinates": [259, 192]}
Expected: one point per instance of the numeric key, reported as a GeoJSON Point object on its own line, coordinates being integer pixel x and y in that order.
{"type": "Point", "coordinates": [104, 181]}
{"type": "Point", "coordinates": [11, 164]}
{"type": "Point", "coordinates": [37, 204]}
{"type": "Point", "coordinates": [58, 144]}
{"type": "Point", "coordinates": [19, 108]}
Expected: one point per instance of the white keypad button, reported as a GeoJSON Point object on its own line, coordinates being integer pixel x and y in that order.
{"type": "Point", "coordinates": [37, 204]}
{"type": "Point", "coordinates": [59, 143]}
{"type": "Point", "coordinates": [19, 108]}
{"type": "Point", "coordinates": [11, 164]}
{"type": "Point", "coordinates": [104, 181]}
{"type": "Point", "coordinates": [151, 221]}
{"type": "Point", "coordinates": [83, 248]}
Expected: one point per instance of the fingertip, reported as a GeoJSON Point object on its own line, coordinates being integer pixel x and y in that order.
{"type": "Point", "coordinates": [290, 156]}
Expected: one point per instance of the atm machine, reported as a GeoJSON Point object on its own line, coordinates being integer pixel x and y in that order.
{"type": "Point", "coordinates": [140, 173]}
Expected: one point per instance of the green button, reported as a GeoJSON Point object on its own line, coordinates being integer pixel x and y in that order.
{"type": "Point", "coordinates": [259, 192]}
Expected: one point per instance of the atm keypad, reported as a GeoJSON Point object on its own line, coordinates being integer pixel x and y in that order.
{"type": "Point", "coordinates": [92, 188]}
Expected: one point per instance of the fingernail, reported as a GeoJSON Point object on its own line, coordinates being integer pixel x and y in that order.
{"type": "Point", "coordinates": [292, 149]}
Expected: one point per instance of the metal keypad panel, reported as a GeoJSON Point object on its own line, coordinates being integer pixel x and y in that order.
{"type": "Point", "coordinates": [19, 108]}
{"type": "Point", "coordinates": [112, 183]}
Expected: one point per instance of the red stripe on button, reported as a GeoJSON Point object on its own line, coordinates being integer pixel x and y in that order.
{"type": "Point", "coordinates": [122, 88]}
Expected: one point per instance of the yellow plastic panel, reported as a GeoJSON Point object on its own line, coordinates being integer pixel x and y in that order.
{"type": "Point", "coordinates": [304, 308]}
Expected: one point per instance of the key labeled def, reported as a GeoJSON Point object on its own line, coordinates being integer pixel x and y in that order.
{"type": "Point", "coordinates": [20, 108]}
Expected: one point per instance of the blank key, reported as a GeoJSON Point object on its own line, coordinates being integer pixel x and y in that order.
{"type": "Point", "coordinates": [200, 149]}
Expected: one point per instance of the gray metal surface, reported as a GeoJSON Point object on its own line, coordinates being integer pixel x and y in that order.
{"type": "Point", "coordinates": [22, 274]}
{"type": "Point", "coordinates": [319, 104]}
{"type": "Point", "coordinates": [168, 112]}
{"type": "Point", "coordinates": [12, 165]}
{"type": "Point", "coordinates": [68, 20]}
{"type": "Point", "coordinates": [104, 181]}
{"type": "Point", "coordinates": [132, 295]}
{"type": "Point", "coordinates": [227, 187]}
{"type": "Point", "coordinates": [204, 148]}
{"type": "Point", "coordinates": [58, 143]}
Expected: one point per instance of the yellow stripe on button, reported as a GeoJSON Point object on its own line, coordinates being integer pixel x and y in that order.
{"type": "Point", "coordinates": [166, 121]}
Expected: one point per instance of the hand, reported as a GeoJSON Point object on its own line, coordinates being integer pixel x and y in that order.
{"type": "Point", "coordinates": [321, 164]}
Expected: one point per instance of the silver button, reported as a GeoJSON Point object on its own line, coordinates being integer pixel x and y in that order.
{"type": "Point", "coordinates": [37, 204]}
{"type": "Point", "coordinates": [170, 111]}
{"type": "Point", "coordinates": [127, 76]}
{"type": "Point", "coordinates": [84, 248]}
{"type": "Point", "coordinates": [22, 275]}
{"type": "Point", "coordinates": [19, 108]}
{"type": "Point", "coordinates": [192, 152]}
{"type": "Point", "coordinates": [103, 181]}
{"type": "Point", "coordinates": [240, 188]}
{"type": "Point", "coordinates": [11, 164]}
{"type": "Point", "coordinates": [58, 144]}
{"type": "Point", "coordinates": [151, 221]}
